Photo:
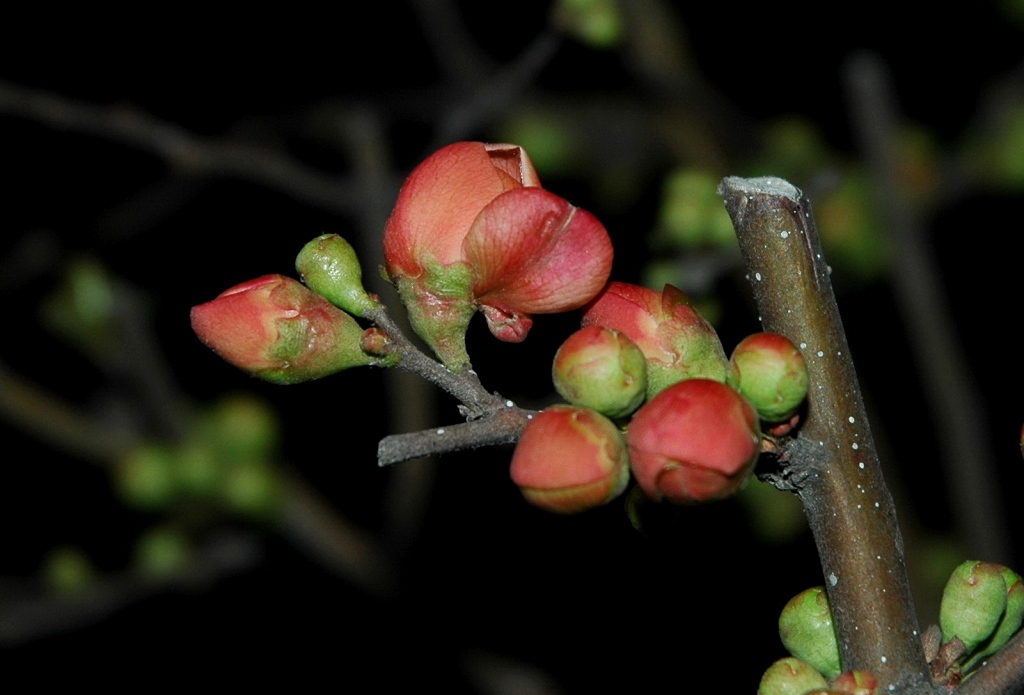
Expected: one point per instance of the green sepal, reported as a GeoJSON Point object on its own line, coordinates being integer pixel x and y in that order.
{"type": "Point", "coordinates": [440, 305]}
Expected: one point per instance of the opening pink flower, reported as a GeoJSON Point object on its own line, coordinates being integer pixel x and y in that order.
{"type": "Point", "coordinates": [676, 340]}
{"type": "Point", "coordinates": [472, 230]}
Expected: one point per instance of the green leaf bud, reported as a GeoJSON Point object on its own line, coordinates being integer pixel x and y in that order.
{"type": "Point", "coordinates": [973, 603]}
{"type": "Point", "coordinates": [790, 676]}
{"type": "Point", "coordinates": [329, 266]}
{"type": "Point", "coordinates": [601, 369]}
{"type": "Point", "coordinates": [806, 629]}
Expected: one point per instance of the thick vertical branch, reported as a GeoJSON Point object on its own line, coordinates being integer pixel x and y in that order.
{"type": "Point", "coordinates": [840, 483]}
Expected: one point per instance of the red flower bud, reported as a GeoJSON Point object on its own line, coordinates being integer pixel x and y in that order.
{"type": "Point", "coordinates": [676, 340]}
{"type": "Point", "coordinates": [570, 459]}
{"type": "Point", "coordinates": [695, 441]}
{"type": "Point", "coordinates": [277, 329]}
{"type": "Point", "coordinates": [472, 230]}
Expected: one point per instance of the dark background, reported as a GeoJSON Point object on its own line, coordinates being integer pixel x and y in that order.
{"type": "Point", "coordinates": [485, 583]}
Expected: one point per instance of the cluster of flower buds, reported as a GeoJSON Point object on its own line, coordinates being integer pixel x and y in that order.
{"type": "Point", "coordinates": [691, 417]}
{"type": "Point", "coordinates": [473, 230]}
{"type": "Point", "coordinates": [806, 629]}
{"type": "Point", "coordinates": [791, 676]}
{"type": "Point", "coordinates": [982, 608]}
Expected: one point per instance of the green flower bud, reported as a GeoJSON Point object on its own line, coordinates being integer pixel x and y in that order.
{"type": "Point", "coordinates": [601, 369]}
{"type": "Point", "coordinates": [198, 470]}
{"type": "Point", "coordinates": [805, 627]}
{"type": "Point", "coordinates": [329, 266]}
{"type": "Point", "coordinates": [1011, 620]}
{"type": "Point", "coordinates": [973, 603]}
{"type": "Point", "coordinates": [790, 676]}
{"type": "Point", "coordinates": [243, 427]}
{"type": "Point", "coordinates": [162, 552]}
{"type": "Point", "coordinates": [68, 570]}
{"type": "Point", "coordinates": [145, 477]}
{"type": "Point", "coordinates": [770, 371]}
{"type": "Point", "coordinates": [253, 490]}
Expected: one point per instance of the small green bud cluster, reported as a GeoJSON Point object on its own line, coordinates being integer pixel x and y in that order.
{"type": "Point", "coordinates": [982, 608]}
{"type": "Point", "coordinates": [225, 464]}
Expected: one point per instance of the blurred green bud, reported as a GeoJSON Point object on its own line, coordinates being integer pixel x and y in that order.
{"type": "Point", "coordinates": [197, 468]}
{"type": "Point", "coordinates": [145, 477]}
{"type": "Point", "coordinates": [243, 427]}
{"type": "Point", "coordinates": [851, 230]}
{"type": "Point", "coordinates": [594, 22]}
{"type": "Point", "coordinates": [601, 369]}
{"type": "Point", "coordinates": [253, 490]}
{"type": "Point", "coordinates": [973, 603]}
{"type": "Point", "coordinates": [805, 627]}
{"type": "Point", "coordinates": [769, 370]}
{"type": "Point", "coordinates": [68, 570]}
{"type": "Point", "coordinates": [1012, 617]}
{"type": "Point", "coordinates": [162, 551]}
{"type": "Point", "coordinates": [329, 266]}
{"type": "Point", "coordinates": [692, 214]}
{"type": "Point", "coordinates": [790, 676]}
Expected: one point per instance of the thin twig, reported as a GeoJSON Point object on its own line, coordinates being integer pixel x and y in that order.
{"type": "Point", "coordinates": [502, 427]}
{"type": "Point", "coordinates": [1002, 674]}
{"type": "Point", "coordinates": [953, 400]}
{"type": "Point", "coordinates": [189, 153]}
{"type": "Point", "coordinates": [848, 506]}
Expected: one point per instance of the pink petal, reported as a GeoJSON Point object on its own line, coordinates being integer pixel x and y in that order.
{"type": "Point", "coordinates": [437, 205]}
{"type": "Point", "coordinates": [534, 253]}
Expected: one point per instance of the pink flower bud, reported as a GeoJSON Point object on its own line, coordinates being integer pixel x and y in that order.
{"type": "Point", "coordinates": [472, 230]}
{"type": "Point", "coordinates": [695, 441]}
{"type": "Point", "coordinates": [277, 329]}
{"type": "Point", "coordinates": [855, 683]}
{"type": "Point", "coordinates": [770, 372]}
{"type": "Point", "coordinates": [570, 459]}
{"type": "Point", "coordinates": [676, 340]}
{"type": "Point", "coordinates": [601, 369]}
